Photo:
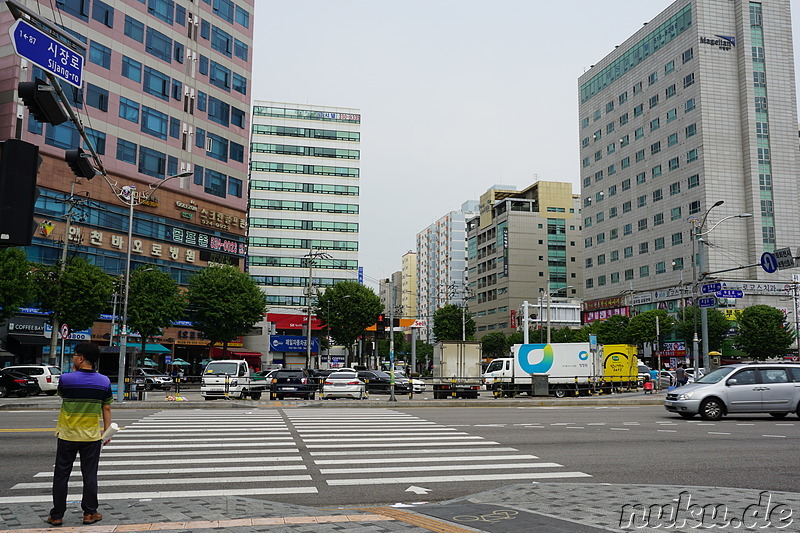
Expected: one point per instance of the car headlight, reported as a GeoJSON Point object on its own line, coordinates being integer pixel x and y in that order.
{"type": "Point", "coordinates": [685, 396]}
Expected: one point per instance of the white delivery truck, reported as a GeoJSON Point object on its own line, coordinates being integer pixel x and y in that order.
{"type": "Point", "coordinates": [231, 379]}
{"type": "Point", "coordinates": [456, 369]}
{"type": "Point", "coordinates": [570, 368]}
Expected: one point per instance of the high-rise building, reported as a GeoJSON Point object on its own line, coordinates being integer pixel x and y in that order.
{"type": "Point", "coordinates": [408, 291]}
{"type": "Point", "coordinates": [165, 91]}
{"type": "Point", "coordinates": [304, 199]}
{"type": "Point", "coordinates": [523, 244]}
{"type": "Point", "coordinates": [696, 108]}
{"type": "Point", "coordinates": [441, 264]}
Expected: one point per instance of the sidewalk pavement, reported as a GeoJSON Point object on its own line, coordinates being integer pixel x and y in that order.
{"type": "Point", "coordinates": [536, 507]}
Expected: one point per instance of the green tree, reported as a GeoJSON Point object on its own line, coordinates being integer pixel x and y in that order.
{"type": "Point", "coordinates": [16, 282]}
{"type": "Point", "coordinates": [642, 328]}
{"type": "Point", "coordinates": [155, 302]}
{"type": "Point", "coordinates": [718, 327]}
{"type": "Point", "coordinates": [763, 332]}
{"type": "Point", "coordinates": [612, 330]}
{"type": "Point", "coordinates": [348, 308]}
{"type": "Point", "coordinates": [494, 344]}
{"type": "Point", "coordinates": [447, 323]}
{"type": "Point", "coordinates": [224, 303]}
{"type": "Point", "coordinates": [77, 296]}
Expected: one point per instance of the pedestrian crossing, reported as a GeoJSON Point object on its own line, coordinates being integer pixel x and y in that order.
{"type": "Point", "coordinates": [290, 451]}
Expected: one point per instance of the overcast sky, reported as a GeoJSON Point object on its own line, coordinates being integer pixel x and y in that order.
{"type": "Point", "coordinates": [455, 96]}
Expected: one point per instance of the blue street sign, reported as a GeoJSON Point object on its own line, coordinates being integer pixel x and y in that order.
{"type": "Point", "coordinates": [47, 53]}
{"type": "Point", "coordinates": [290, 343]}
{"type": "Point", "coordinates": [361, 275]}
{"type": "Point", "coordinates": [710, 288]}
{"type": "Point", "coordinates": [707, 302]}
{"type": "Point", "coordinates": [769, 262]}
{"type": "Point", "coordinates": [730, 293]}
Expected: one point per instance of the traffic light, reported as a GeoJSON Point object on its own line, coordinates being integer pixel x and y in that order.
{"type": "Point", "coordinates": [78, 161]}
{"type": "Point", "coordinates": [42, 101]}
{"type": "Point", "coordinates": [19, 165]}
{"type": "Point", "coordinates": [380, 325]}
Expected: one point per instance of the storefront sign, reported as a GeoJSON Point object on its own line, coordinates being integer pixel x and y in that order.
{"type": "Point", "coordinates": [290, 343]}
{"type": "Point", "coordinates": [605, 303]}
{"type": "Point", "coordinates": [23, 326]}
{"type": "Point", "coordinates": [84, 335]}
{"type": "Point", "coordinates": [602, 314]}
{"type": "Point", "coordinates": [641, 299]}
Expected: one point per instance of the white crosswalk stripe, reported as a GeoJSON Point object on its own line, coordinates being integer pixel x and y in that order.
{"type": "Point", "coordinates": [292, 451]}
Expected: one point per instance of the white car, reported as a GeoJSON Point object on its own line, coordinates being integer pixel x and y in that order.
{"type": "Point", "coordinates": [47, 376]}
{"type": "Point", "coordinates": [417, 384]}
{"type": "Point", "coordinates": [343, 385]}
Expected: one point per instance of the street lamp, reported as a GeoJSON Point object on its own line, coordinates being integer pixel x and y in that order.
{"type": "Point", "coordinates": [130, 196]}
{"type": "Point", "coordinates": [699, 257]}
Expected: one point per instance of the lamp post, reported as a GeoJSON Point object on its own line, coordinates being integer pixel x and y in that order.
{"type": "Point", "coordinates": [130, 196]}
{"type": "Point", "coordinates": [698, 257]}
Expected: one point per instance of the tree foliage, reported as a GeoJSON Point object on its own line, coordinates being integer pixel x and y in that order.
{"type": "Point", "coordinates": [16, 282]}
{"type": "Point", "coordinates": [718, 326]}
{"type": "Point", "coordinates": [613, 330]}
{"type": "Point", "coordinates": [348, 308]}
{"type": "Point", "coordinates": [77, 296]}
{"type": "Point", "coordinates": [494, 344]}
{"type": "Point", "coordinates": [447, 323]}
{"type": "Point", "coordinates": [642, 328]}
{"type": "Point", "coordinates": [155, 302]}
{"type": "Point", "coordinates": [763, 332]}
{"type": "Point", "coordinates": [224, 303]}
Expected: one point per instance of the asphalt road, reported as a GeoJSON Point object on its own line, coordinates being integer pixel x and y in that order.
{"type": "Point", "coordinates": [637, 444]}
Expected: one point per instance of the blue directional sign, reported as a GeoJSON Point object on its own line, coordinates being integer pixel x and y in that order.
{"type": "Point", "coordinates": [730, 293]}
{"type": "Point", "coordinates": [710, 288]}
{"type": "Point", "coordinates": [769, 262]}
{"type": "Point", "coordinates": [707, 302]}
{"type": "Point", "coordinates": [47, 53]}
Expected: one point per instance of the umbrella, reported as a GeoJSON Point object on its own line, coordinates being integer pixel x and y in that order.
{"type": "Point", "coordinates": [179, 362]}
{"type": "Point", "coordinates": [149, 362]}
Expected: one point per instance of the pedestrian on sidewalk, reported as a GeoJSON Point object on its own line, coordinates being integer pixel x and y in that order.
{"type": "Point", "coordinates": [86, 400]}
{"type": "Point", "coordinates": [680, 375]}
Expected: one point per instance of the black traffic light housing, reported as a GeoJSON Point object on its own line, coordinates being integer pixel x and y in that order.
{"type": "Point", "coordinates": [19, 166]}
{"type": "Point", "coordinates": [380, 325]}
{"type": "Point", "coordinates": [78, 161]}
{"type": "Point", "coordinates": [42, 101]}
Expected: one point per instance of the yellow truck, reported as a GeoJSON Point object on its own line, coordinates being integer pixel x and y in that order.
{"type": "Point", "coordinates": [620, 365]}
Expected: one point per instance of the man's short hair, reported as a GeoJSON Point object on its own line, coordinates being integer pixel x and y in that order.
{"type": "Point", "coordinates": [89, 351]}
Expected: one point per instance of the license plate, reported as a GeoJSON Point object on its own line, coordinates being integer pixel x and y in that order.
{"type": "Point", "coordinates": [216, 389]}
{"type": "Point", "coordinates": [288, 388]}
{"type": "Point", "coordinates": [668, 404]}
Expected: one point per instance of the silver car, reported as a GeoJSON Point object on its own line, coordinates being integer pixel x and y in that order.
{"type": "Point", "coordinates": [343, 385]}
{"type": "Point", "coordinates": [772, 388]}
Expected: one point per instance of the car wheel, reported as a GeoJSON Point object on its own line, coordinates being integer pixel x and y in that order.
{"type": "Point", "coordinates": [559, 392]}
{"type": "Point", "coordinates": [256, 395]}
{"type": "Point", "coordinates": [686, 415]}
{"type": "Point", "coordinates": [778, 415]}
{"type": "Point", "coordinates": [50, 393]}
{"type": "Point", "coordinates": [22, 393]}
{"type": "Point", "coordinates": [712, 409]}
{"type": "Point", "coordinates": [37, 392]}
{"type": "Point", "coordinates": [4, 393]}
{"type": "Point", "coordinates": [311, 396]}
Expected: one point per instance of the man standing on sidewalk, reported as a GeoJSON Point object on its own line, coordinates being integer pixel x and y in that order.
{"type": "Point", "coordinates": [86, 399]}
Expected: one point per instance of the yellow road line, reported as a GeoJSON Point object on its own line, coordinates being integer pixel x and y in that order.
{"type": "Point", "coordinates": [25, 430]}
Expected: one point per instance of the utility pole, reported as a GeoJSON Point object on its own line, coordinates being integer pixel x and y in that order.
{"type": "Point", "coordinates": [311, 257]}
{"type": "Point", "coordinates": [391, 342]}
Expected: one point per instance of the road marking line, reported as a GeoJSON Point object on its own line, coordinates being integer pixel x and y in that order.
{"type": "Point", "coordinates": [449, 479]}
{"type": "Point", "coordinates": [108, 453]}
{"type": "Point", "coordinates": [405, 444]}
{"type": "Point", "coordinates": [668, 430]}
{"type": "Point", "coordinates": [174, 471]}
{"type": "Point", "coordinates": [171, 494]}
{"type": "Point", "coordinates": [396, 438]}
{"type": "Point", "coordinates": [174, 445]}
{"type": "Point", "coordinates": [424, 459]}
{"type": "Point", "coordinates": [619, 429]}
{"type": "Point", "coordinates": [775, 436]}
{"type": "Point", "coordinates": [379, 469]}
{"type": "Point", "coordinates": [355, 453]}
{"type": "Point", "coordinates": [745, 424]}
{"type": "Point", "coordinates": [575, 427]}
{"type": "Point", "coordinates": [198, 480]}
{"type": "Point", "coordinates": [718, 433]}
{"type": "Point", "coordinates": [138, 440]}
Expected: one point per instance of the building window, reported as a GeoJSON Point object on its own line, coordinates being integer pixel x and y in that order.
{"type": "Point", "coordinates": [126, 151]}
{"type": "Point", "coordinates": [688, 80]}
{"type": "Point", "coordinates": [674, 163]}
{"type": "Point", "coordinates": [761, 104]}
{"type": "Point", "coordinates": [625, 163]}
{"type": "Point", "coordinates": [601, 280]}
{"type": "Point", "coordinates": [612, 169]}
{"type": "Point", "coordinates": [689, 105]}
{"type": "Point", "coordinates": [626, 184]}
{"type": "Point", "coordinates": [100, 55]}
{"type": "Point", "coordinates": [612, 212]}
{"type": "Point", "coordinates": [221, 41]}
{"type": "Point", "coordinates": [612, 191]}
{"type": "Point", "coordinates": [134, 29]}
{"type": "Point", "coordinates": [234, 187]}
{"type": "Point", "coordinates": [623, 97]}
{"type": "Point", "coordinates": [96, 97]}
{"type": "Point", "coordinates": [615, 277]}
{"type": "Point", "coordinates": [103, 13]}
{"type": "Point", "coordinates": [661, 267]}
{"type": "Point", "coordinates": [158, 45]}
{"type": "Point", "coordinates": [589, 283]}
{"type": "Point", "coordinates": [162, 9]}
{"type": "Point", "coordinates": [601, 238]}
{"type": "Point", "coordinates": [152, 163]}
{"type": "Point", "coordinates": [614, 234]}
{"type": "Point", "coordinates": [131, 69]}
{"type": "Point", "coordinates": [644, 248]}
{"type": "Point", "coordinates": [629, 274]}
{"type": "Point", "coordinates": [156, 83]}
{"type": "Point", "coordinates": [694, 181]}
{"type": "Point", "coordinates": [768, 235]}
{"type": "Point", "coordinates": [670, 91]}
{"type": "Point", "coordinates": [628, 252]}
{"type": "Point", "coordinates": [215, 183]}
{"type": "Point", "coordinates": [657, 195]}
{"type": "Point", "coordinates": [674, 188]}
{"type": "Point", "coordinates": [669, 67]}
{"type": "Point", "coordinates": [764, 182]}
{"type": "Point", "coordinates": [652, 78]}
{"type": "Point", "coordinates": [644, 271]}
{"type": "Point", "coordinates": [687, 55]}
{"type": "Point", "coordinates": [677, 263]}
{"type": "Point", "coordinates": [128, 109]}
{"type": "Point", "coordinates": [641, 201]}
{"type": "Point", "coordinates": [653, 101]}
{"type": "Point", "coordinates": [655, 148]}
{"type": "Point", "coordinates": [694, 207]}
{"type": "Point", "coordinates": [623, 119]}
{"type": "Point", "coordinates": [640, 155]}
{"type": "Point", "coordinates": [219, 76]}
{"type": "Point", "coordinates": [759, 79]}
{"type": "Point", "coordinates": [242, 17]}
{"type": "Point", "coordinates": [655, 124]}
{"type": "Point", "coordinates": [691, 155]}
{"type": "Point", "coordinates": [691, 130]}
{"type": "Point", "coordinates": [589, 262]}
{"type": "Point", "coordinates": [587, 242]}
{"type": "Point", "coordinates": [638, 110]}
{"type": "Point", "coordinates": [611, 148]}
{"type": "Point", "coordinates": [677, 238]}
{"type": "Point", "coordinates": [624, 141]}
{"type": "Point", "coordinates": [767, 209]}
{"type": "Point", "coordinates": [155, 123]}
{"type": "Point", "coordinates": [672, 114]}
{"type": "Point", "coordinates": [656, 171]}
{"type": "Point", "coordinates": [627, 229]}
{"type": "Point", "coordinates": [672, 139]}
{"type": "Point", "coordinates": [658, 219]}
{"type": "Point", "coordinates": [626, 207]}
{"type": "Point", "coordinates": [642, 224]}
{"type": "Point", "coordinates": [675, 213]}
{"type": "Point", "coordinates": [638, 133]}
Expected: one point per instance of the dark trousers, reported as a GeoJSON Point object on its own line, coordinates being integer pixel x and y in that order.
{"type": "Point", "coordinates": [66, 452]}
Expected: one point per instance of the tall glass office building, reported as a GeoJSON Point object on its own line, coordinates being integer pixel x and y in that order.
{"type": "Point", "coordinates": [697, 107]}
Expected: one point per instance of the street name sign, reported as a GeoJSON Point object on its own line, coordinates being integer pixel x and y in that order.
{"type": "Point", "coordinates": [49, 54]}
{"type": "Point", "coordinates": [769, 263]}
{"type": "Point", "coordinates": [730, 293]}
{"type": "Point", "coordinates": [707, 302]}
{"type": "Point", "coordinates": [710, 288]}
{"type": "Point", "coordinates": [784, 257]}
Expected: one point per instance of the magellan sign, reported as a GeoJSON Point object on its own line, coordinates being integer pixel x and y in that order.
{"type": "Point", "coordinates": [723, 42]}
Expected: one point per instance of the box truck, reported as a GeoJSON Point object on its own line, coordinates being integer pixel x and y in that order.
{"type": "Point", "coordinates": [456, 369]}
{"type": "Point", "coordinates": [569, 368]}
{"type": "Point", "coordinates": [620, 365]}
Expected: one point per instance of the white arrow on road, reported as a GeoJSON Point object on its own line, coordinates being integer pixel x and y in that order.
{"type": "Point", "coordinates": [418, 490]}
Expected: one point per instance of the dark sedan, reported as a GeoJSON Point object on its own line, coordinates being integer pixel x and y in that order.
{"type": "Point", "coordinates": [292, 383]}
{"type": "Point", "coordinates": [13, 382]}
{"type": "Point", "coordinates": [378, 381]}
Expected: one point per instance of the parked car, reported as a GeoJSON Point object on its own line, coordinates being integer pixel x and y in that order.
{"type": "Point", "coordinates": [343, 385]}
{"type": "Point", "coordinates": [772, 388]}
{"type": "Point", "coordinates": [46, 376]}
{"type": "Point", "coordinates": [378, 381]}
{"type": "Point", "coordinates": [153, 378]}
{"type": "Point", "coordinates": [293, 383]}
{"type": "Point", "coordinates": [13, 382]}
{"type": "Point", "coordinates": [417, 384]}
